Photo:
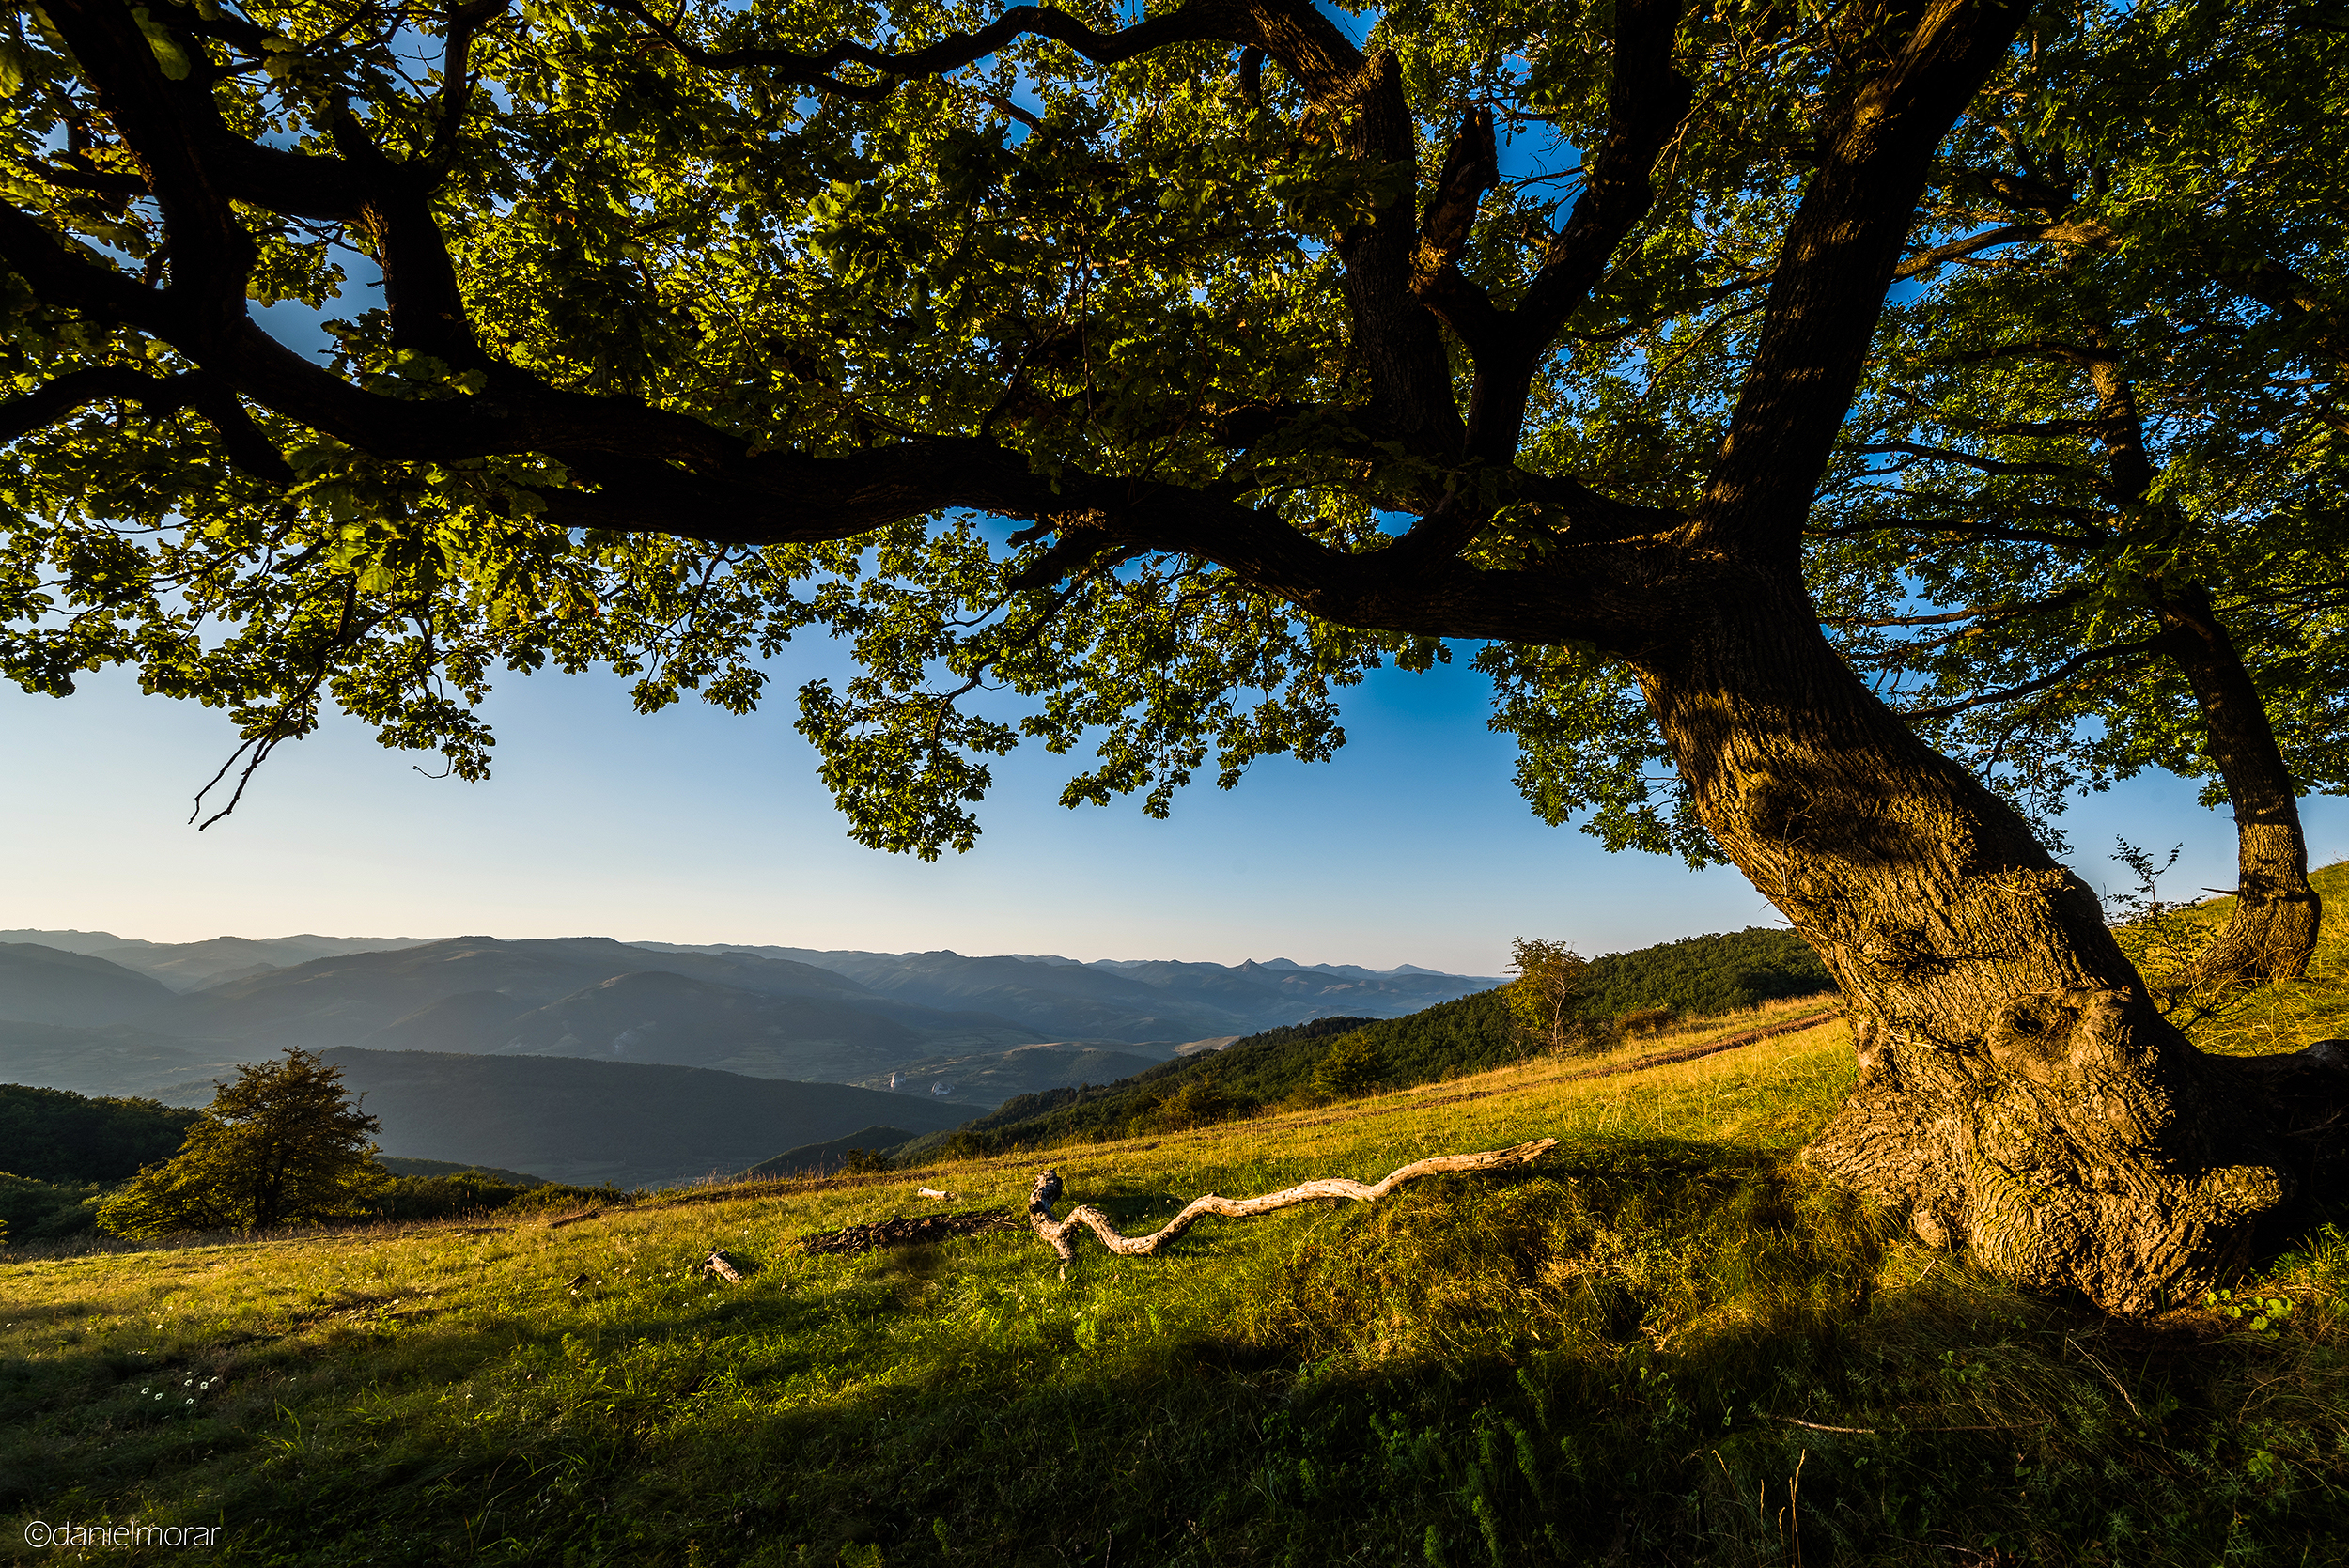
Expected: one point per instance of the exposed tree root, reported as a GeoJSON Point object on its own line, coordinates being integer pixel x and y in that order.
{"type": "Point", "coordinates": [2083, 1144]}
{"type": "Point", "coordinates": [1056, 1232]}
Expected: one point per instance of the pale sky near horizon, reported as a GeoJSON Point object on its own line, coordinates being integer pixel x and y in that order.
{"type": "Point", "coordinates": [694, 826]}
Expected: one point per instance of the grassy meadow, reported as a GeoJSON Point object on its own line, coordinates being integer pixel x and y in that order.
{"type": "Point", "coordinates": [1665, 1343]}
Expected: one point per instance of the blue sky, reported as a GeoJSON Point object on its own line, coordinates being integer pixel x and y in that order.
{"type": "Point", "coordinates": [694, 826]}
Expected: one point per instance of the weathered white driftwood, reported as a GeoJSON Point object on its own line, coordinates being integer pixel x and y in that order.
{"type": "Point", "coordinates": [931, 1192]}
{"type": "Point", "coordinates": [1056, 1232]}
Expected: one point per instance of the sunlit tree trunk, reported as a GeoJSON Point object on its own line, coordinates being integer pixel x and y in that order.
{"type": "Point", "coordinates": [2273, 930]}
{"type": "Point", "coordinates": [2019, 1093]}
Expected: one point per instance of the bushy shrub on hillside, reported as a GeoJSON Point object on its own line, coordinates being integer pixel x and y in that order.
{"type": "Point", "coordinates": [461, 1192]}
{"type": "Point", "coordinates": [439, 1197]}
{"type": "Point", "coordinates": [40, 1211]}
{"type": "Point", "coordinates": [281, 1143]}
{"type": "Point", "coordinates": [1199, 1102]}
{"type": "Point", "coordinates": [1545, 998]}
{"type": "Point", "coordinates": [1352, 1065]}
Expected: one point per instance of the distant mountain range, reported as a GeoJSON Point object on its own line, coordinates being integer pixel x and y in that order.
{"type": "Point", "coordinates": [103, 1014]}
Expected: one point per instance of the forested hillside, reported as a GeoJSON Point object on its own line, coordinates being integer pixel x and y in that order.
{"type": "Point", "coordinates": [1703, 975]}
{"type": "Point", "coordinates": [1336, 1058]}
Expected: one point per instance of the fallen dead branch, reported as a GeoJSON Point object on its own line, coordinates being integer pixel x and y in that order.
{"type": "Point", "coordinates": [722, 1266]}
{"type": "Point", "coordinates": [573, 1218]}
{"type": "Point", "coordinates": [1056, 1231]}
{"type": "Point", "coordinates": [901, 1231]}
{"type": "Point", "coordinates": [1875, 1432]}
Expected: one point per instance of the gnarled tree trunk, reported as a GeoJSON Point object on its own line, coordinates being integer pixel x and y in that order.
{"type": "Point", "coordinates": [2019, 1093]}
{"type": "Point", "coordinates": [2274, 927]}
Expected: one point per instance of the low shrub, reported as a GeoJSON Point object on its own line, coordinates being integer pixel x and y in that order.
{"type": "Point", "coordinates": [441, 1197]}
{"type": "Point", "coordinates": [32, 1210]}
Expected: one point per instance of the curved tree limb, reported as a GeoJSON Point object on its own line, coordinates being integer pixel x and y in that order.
{"type": "Point", "coordinates": [158, 396]}
{"type": "Point", "coordinates": [2061, 673]}
{"type": "Point", "coordinates": [1056, 1232]}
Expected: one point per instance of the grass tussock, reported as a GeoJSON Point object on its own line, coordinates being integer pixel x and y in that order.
{"type": "Point", "coordinates": [1668, 1343]}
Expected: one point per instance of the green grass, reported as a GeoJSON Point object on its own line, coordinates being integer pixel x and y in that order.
{"type": "Point", "coordinates": [2284, 1017]}
{"type": "Point", "coordinates": [1603, 1359]}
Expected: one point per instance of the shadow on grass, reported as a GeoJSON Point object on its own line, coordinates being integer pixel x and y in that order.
{"type": "Point", "coordinates": [1611, 1359]}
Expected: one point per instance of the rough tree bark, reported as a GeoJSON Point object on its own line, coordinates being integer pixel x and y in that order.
{"type": "Point", "coordinates": [2273, 930]}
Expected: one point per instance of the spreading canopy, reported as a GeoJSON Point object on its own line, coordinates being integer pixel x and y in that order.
{"type": "Point", "coordinates": [700, 329]}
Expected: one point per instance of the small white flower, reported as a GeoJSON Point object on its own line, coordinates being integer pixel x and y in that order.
{"type": "Point", "coordinates": [191, 1402]}
{"type": "Point", "coordinates": [147, 1391]}
{"type": "Point", "coordinates": [159, 1397]}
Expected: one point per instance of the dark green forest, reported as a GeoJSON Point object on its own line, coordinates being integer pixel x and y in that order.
{"type": "Point", "coordinates": [54, 1135]}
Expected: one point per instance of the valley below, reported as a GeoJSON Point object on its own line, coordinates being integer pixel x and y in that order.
{"type": "Point", "coordinates": [591, 1059]}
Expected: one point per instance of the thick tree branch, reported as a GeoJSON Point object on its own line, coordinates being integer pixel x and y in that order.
{"type": "Point", "coordinates": [1647, 101]}
{"type": "Point", "coordinates": [1837, 260]}
{"type": "Point", "coordinates": [247, 447]}
{"type": "Point", "coordinates": [211, 252]}
{"type": "Point", "coordinates": [465, 23]}
{"type": "Point", "coordinates": [1470, 168]}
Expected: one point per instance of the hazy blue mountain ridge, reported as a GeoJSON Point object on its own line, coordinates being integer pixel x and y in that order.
{"type": "Point", "coordinates": [1138, 1000]}
{"type": "Point", "coordinates": [776, 1030]}
{"type": "Point", "coordinates": [48, 984]}
{"type": "Point", "coordinates": [184, 966]}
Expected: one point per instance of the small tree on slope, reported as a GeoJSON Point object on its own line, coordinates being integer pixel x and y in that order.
{"type": "Point", "coordinates": [283, 1142]}
{"type": "Point", "coordinates": [1550, 984]}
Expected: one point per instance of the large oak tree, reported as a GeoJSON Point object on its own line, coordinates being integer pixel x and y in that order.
{"type": "Point", "coordinates": [701, 326]}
